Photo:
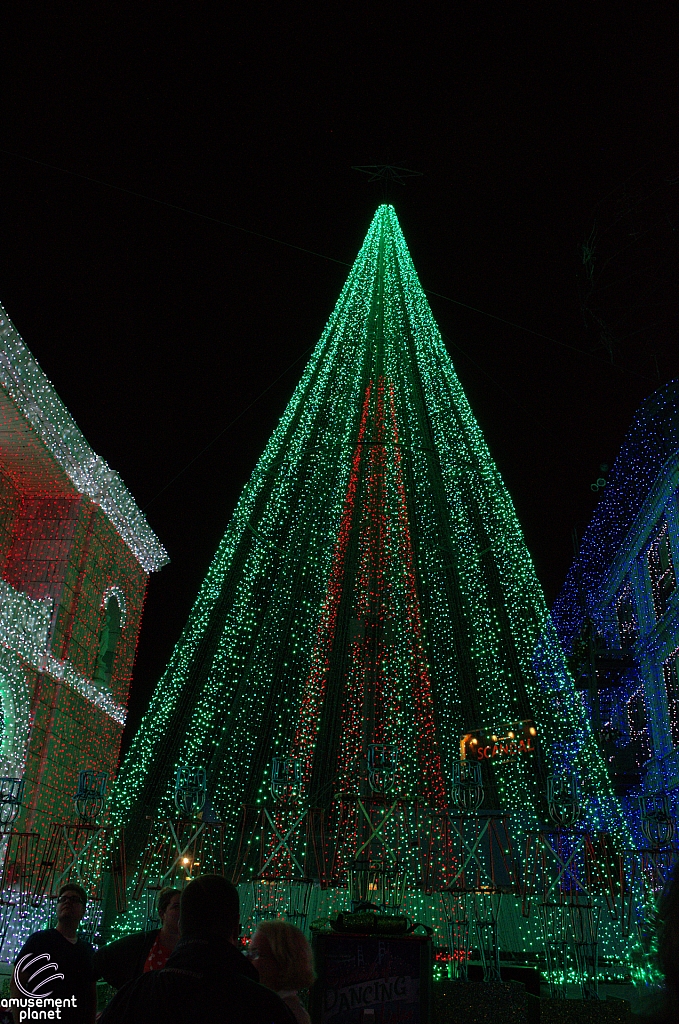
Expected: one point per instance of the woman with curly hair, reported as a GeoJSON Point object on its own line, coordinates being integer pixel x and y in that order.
{"type": "Point", "coordinates": [284, 961]}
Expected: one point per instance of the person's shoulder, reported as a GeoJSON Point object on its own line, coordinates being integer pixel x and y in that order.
{"type": "Point", "coordinates": [155, 994]}
{"type": "Point", "coordinates": [40, 941]}
{"type": "Point", "coordinates": [133, 941]}
{"type": "Point", "coordinates": [129, 996]}
{"type": "Point", "coordinates": [263, 1001]}
{"type": "Point", "coordinates": [83, 947]}
{"type": "Point", "coordinates": [293, 1003]}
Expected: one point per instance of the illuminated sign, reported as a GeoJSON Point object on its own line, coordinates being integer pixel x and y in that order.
{"type": "Point", "coordinates": [504, 744]}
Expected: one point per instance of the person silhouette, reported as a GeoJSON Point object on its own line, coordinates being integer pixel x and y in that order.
{"type": "Point", "coordinates": [206, 980]}
{"type": "Point", "coordinates": [284, 962]}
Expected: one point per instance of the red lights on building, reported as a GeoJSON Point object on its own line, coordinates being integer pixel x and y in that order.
{"type": "Point", "coordinates": [75, 557]}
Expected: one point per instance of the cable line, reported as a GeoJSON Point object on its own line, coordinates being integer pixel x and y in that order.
{"type": "Point", "coordinates": [310, 252]}
{"type": "Point", "coordinates": [173, 206]}
{"type": "Point", "coordinates": [228, 427]}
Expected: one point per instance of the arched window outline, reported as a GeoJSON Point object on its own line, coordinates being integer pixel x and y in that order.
{"type": "Point", "coordinates": [626, 616]}
{"type": "Point", "coordinates": [114, 608]}
{"type": "Point", "coordinates": [671, 680]}
{"type": "Point", "coordinates": [119, 595]}
{"type": "Point", "coordinates": [661, 569]}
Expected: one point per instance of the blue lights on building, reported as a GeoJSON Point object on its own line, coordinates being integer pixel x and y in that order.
{"type": "Point", "coordinates": [618, 612]}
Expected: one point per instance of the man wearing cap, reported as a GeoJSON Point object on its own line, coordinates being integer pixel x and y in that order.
{"type": "Point", "coordinates": [59, 951]}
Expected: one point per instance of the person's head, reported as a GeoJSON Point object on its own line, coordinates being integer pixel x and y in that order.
{"type": "Point", "coordinates": [168, 909]}
{"type": "Point", "coordinates": [282, 956]}
{"type": "Point", "coordinates": [71, 903]}
{"type": "Point", "coordinates": [210, 909]}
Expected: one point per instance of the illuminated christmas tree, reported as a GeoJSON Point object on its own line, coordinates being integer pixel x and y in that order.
{"type": "Point", "coordinates": [372, 605]}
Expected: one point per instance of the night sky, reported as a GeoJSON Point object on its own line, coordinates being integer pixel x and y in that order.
{"type": "Point", "coordinates": [537, 132]}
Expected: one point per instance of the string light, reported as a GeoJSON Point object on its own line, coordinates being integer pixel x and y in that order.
{"type": "Point", "coordinates": [373, 585]}
{"type": "Point", "coordinates": [49, 418]}
{"type": "Point", "coordinates": [647, 455]}
{"type": "Point", "coordinates": [623, 581]}
{"type": "Point", "coordinates": [72, 541]}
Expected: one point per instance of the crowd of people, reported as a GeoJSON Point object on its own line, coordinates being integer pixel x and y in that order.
{"type": "Point", "coordinates": [191, 970]}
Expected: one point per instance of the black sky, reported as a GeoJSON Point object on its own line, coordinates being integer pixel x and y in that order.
{"type": "Point", "coordinates": [158, 328]}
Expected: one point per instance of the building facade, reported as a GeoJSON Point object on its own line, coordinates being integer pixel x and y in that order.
{"type": "Point", "coordinates": [618, 612]}
{"type": "Point", "coordinates": [75, 558]}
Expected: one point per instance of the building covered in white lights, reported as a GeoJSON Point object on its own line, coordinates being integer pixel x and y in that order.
{"type": "Point", "coordinates": [75, 558]}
